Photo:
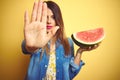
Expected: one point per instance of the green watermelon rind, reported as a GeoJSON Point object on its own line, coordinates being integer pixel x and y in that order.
{"type": "Point", "coordinates": [78, 41]}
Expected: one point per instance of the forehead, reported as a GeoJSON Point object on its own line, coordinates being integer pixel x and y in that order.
{"type": "Point", "coordinates": [49, 11]}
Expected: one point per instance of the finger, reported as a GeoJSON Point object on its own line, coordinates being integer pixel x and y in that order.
{"type": "Point", "coordinates": [80, 50]}
{"type": "Point", "coordinates": [34, 12]}
{"type": "Point", "coordinates": [39, 11]}
{"type": "Point", "coordinates": [53, 32]}
{"type": "Point", "coordinates": [95, 46]}
{"type": "Point", "coordinates": [89, 47]}
{"type": "Point", "coordinates": [26, 18]}
{"type": "Point", "coordinates": [44, 13]}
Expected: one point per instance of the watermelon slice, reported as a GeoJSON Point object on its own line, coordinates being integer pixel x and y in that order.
{"type": "Point", "coordinates": [88, 37]}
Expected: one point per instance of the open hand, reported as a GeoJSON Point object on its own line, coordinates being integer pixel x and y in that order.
{"type": "Point", "coordinates": [35, 33]}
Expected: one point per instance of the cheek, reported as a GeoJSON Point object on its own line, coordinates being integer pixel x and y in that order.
{"type": "Point", "coordinates": [53, 22]}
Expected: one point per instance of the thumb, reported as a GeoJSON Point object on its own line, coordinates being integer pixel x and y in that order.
{"type": "Point", "coordinates": [53, 32]}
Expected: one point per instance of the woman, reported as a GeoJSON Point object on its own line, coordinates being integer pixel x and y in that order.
{"type": "Point", "coordinates": [52, 53]}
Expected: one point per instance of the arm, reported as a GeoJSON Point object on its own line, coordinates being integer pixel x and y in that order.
{"type": "Point", "coordinates": [25, 50]}
{"type": "Point", "coordinates": [35, 33]}
{"type": "Point", "coordinates": [81, 50]}
{"type": "Point", "coordinates": [76, 63]}
{"type": "Point", "coordinates": [73, 67]}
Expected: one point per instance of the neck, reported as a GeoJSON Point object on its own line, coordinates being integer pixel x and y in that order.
{"type": "Point", "coordinates": [52, 44]}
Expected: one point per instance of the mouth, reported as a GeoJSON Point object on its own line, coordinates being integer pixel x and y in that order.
{"type": "Point", "coordinates": [49, 27]}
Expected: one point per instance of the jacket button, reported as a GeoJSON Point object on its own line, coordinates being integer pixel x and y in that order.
{"type": "Point", "coordinates": [45, 65]}
{"type": "Point", "coordinates": [57, 57]}
{"type": "Point", "coordinates": [57, 70]}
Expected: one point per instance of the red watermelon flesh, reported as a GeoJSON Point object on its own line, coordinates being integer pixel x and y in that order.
{"type": "Point", "coordinates": [89, 37]}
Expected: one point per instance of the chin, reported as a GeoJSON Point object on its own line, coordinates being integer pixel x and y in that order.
{"type": "Point", "coordinates": [48, 30]}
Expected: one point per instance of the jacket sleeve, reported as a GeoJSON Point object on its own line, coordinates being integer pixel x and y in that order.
{"type": "Point", "coordinates": [24, 50]}
{"type": "Point", "coordinates": [73, 68]}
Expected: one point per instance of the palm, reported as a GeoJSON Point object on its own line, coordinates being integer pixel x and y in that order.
{"type": "Point", "coordinates": [35, 31]}
{"type": "Point", "coordinates": [87, 47]}
{"type": "Point", "coordinates": [35, 34]}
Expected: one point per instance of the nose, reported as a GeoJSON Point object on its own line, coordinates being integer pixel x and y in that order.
{"type": "Point", "coordinates": [48, 20]}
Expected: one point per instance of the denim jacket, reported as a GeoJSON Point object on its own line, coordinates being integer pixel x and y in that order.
{"type": "Point", "coordinates": [66, 69]}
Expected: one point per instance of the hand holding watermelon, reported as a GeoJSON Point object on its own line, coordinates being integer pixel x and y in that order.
{"type": "Point", "coordinates": [89, 39]}
{"type": "Point", "coordinates": [87, 48]}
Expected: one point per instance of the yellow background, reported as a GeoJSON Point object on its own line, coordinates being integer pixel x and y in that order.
{"type": "Point", "coordinates": [101, 64]}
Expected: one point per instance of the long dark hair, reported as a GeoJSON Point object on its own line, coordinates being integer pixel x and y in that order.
{"type": "Point", "coordinates": [60, 34]}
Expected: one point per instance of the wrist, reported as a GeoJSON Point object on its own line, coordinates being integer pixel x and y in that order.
{"type": "Point", "coordinates": [80, 51]}
{"type": "Point", "coordinates": [32, 49]}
